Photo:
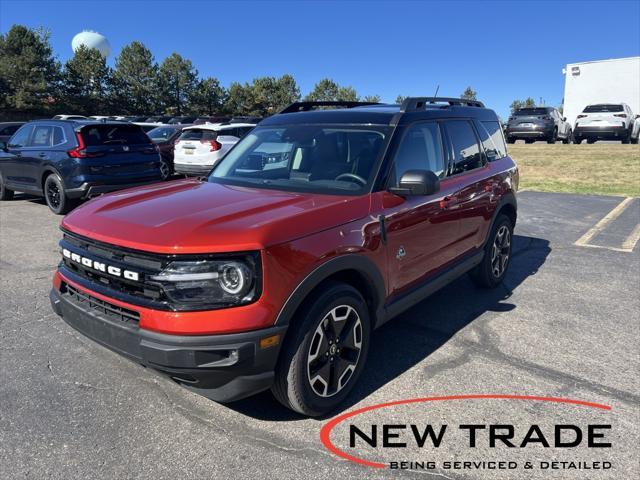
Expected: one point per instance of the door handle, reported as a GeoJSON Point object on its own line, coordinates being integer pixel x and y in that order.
{"type": "Point", "coordinates": [448, 201]}
{"type": "Point", "coordinates": [42, 154]}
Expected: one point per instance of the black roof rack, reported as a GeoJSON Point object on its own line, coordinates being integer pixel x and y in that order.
{"type": "Point", "coordinates": [306, 106]}
{"type": "Point", "coordinates": [411, 104]}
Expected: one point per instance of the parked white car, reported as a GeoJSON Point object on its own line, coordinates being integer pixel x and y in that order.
{"type": "Point", "coordinates": [201, 147]}
{"type": "Point", "coordinates": [604, 121]}
{"type": "Point", "coordinates": [69, 117]}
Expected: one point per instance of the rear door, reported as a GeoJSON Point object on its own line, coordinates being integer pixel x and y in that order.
{"type": "Point", "coordinates": [469, 183]}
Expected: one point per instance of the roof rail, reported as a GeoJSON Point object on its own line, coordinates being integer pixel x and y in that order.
{"type": "Point", "coordinates": [411, 104]}
{"type": "Point", "coordinates": [306, 106]}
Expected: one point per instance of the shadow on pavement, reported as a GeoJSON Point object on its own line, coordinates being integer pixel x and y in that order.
{"type": "Point", "coordinates": [411, 337]}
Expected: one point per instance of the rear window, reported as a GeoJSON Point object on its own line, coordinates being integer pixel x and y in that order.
{"type": "Point", "coordinates": [96, 135]}
{"type": "Point", "coordinates": [198, 134]}
{"type": "Point", "coordinates": [531, 111]}
{"type": "Point", "coordinates": [603, 108]}
{"type": "Point", "coordinates": [161, 133]}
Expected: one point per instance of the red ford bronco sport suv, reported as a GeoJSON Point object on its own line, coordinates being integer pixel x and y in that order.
{"type": "Point", "coordinates": [317, 227]}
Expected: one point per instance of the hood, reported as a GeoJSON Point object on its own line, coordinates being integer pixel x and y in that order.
{"type": "Point", "coordinates": [189, 216]}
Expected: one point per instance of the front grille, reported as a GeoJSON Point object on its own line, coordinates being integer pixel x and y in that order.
{"type": "Point", "coordinates": [141, 291]}
{"type": "Point", "coordinates": [105, 309]}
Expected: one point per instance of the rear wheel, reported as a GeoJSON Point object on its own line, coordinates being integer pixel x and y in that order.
{"type": "Point", "coordinates": [554, 136]}
{"type": "Point", "coordinates": [325, 351]}
{"type": "Point", "coordinates": [497, 255]}
{"type": "Point", "coordinates": [55, 195]}
{"type": "Point", "coordinates": [5, 193]}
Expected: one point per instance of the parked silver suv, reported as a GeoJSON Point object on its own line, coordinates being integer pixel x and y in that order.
{"type": "Point", "coordinates": [538, 123]}
{"type": "Point", "coordinates": [604, 121]}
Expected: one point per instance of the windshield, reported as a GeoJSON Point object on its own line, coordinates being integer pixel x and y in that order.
{"type": "Point", "coordinates": [603, 108]}
{"type": "Point", "coordinates": [531, 111]}
{"type": "Point", "coordinates": [316, 158]}
{"type": "Point", "coordinates": [161, 134]}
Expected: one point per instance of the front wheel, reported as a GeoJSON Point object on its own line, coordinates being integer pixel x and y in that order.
{"type": "Point", "coordinates": [569, 138]}
{"type": "Point", "coordinates": [5, 193]}
{"type": "Point", "coordinates": [497, 255]}
{"type": "Point", "coordinates": [553, 138]}
{"type": "Point", "coordinates": [56, 196]}
{"type": "Point", "coordinates": [325, 351]}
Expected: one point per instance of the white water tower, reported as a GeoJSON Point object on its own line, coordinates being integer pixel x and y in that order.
{"type": "Point", "coordinates": [92, 40]}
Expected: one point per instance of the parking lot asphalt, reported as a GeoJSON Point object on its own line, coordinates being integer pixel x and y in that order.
{"type": "Point", "coordinates": [565, 324]}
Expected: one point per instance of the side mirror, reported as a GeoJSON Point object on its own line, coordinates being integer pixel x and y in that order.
{"type": "Point", "coordinates": [564, 119]}
{"type": "Point", "coordinates": [417, 182]}
{"type": "Point", "coordinates": [637, 116]}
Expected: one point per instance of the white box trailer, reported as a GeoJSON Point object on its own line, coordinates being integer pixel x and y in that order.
{"type": "Point", "coordinates": [602, 81]}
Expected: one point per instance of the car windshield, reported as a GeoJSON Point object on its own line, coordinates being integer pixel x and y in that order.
{"type": "Point", "coordinates": [160, 134]}
{"type": "Point", "coordinates": [327, 159]}
{"type": "Point", "coordinates": [603, 108]}
{"type": "Point", "coordinates": [531, 111]}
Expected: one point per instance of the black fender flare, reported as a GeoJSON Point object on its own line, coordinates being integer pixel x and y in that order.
{"type": "Point", "coordinates": [46, 170]}
{"type": "Point", "coordinates": [365, 267]}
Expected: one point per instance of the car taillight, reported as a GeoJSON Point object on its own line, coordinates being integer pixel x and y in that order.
{"type": "Point", "coordinates": [215, 145]}
{"type": "Point", "coordinates": [79, 151]}
{"type": "Point", "coordinates": [621, 115]}
{"type": "Point", "coordinates": [581, 116]}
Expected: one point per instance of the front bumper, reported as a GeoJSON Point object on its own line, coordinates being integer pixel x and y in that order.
{"type": "Point", "coordinates": [88, 189]}
{"type": "Point", "coordinates": [221, 367]}
{"type": "Point", "coordinates": [192, 170]}
{"type": "Point", "coordinates": [604, 132]}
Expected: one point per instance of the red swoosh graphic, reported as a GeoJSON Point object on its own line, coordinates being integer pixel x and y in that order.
{"type": "Point", "coordinates": [325, 432]}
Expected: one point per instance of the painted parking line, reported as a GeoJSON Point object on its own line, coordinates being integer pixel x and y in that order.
{"type": "Point", "coordinates": [630, 241]}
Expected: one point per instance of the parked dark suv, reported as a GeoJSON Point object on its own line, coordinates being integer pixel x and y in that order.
{"type": "Point", "coordinates": [538, 123]}
{"type": "Point", "coordinates": [316, 228]}
{"type": "Point", "coordinates": [69, 160]}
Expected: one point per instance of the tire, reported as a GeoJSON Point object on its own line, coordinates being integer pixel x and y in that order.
{"type": "Point", "coordinates": [55, 195]}
{"type": "Point", "coordinates": [554, 137]}
{"type": "Point", "coordinates": [577, 140]}
{"type": "Point", "coordinates": [569, 138]}
{"type": "Point", "coordinates": [308, 354]}
{"type": "Point", "coordinates": [490, 273]}
{"type": "Point", "coordinates": [5, 193]}
{"type": "Point", "coordinates": [165, 169]}
{"type": "Point", "coordinates": [634, 141]}
{"type": "Point", "coordinates": [529, 140]}
{"type": "Point", "coordinates": [591, 141]}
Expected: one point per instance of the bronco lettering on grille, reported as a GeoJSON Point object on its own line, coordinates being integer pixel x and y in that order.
{"type": "Point", "coordinates": [101, 267]}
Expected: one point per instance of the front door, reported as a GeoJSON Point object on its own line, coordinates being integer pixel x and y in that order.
{"type": "Point", "coordinates": [420, 232]}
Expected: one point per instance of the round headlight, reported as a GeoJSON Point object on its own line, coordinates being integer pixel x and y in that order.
{"type": "Point", "coordinates": [234, 277]}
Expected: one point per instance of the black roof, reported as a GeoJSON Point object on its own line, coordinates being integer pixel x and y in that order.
{"type": "Point", "coordinates": [412, 109]}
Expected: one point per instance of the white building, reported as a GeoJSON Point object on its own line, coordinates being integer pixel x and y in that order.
{"type": "Point", "coordinates": [601, 81]}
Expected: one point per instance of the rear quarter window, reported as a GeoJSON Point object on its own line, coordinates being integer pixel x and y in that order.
{"type": "Point", "coordinates": [492, 140]}
{"type": "Point", "coordinates": [97, 135]}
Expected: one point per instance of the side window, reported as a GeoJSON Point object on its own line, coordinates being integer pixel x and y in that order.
{"type": "Point", "coordinates": [466, 151]}
{"type": "Point", "coordinates": [21, 137]}
{"type": "Point", "coordinates": [58, 136]}
{"type": "Point", "coordinates": [41, 136]}
{"type": "Point", "coordinates": [421, 149]}
{"type": "Point", "coordinates": [492, 140]}
{"type": "Point", "coordinates": [10, 130]}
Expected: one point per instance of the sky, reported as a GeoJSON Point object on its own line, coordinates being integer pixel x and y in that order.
{"type": "Point", "coordinates": [503, 50]}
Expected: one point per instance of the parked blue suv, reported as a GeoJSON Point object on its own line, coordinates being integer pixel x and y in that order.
{"type": "Point", "coordinates": [69, 160]}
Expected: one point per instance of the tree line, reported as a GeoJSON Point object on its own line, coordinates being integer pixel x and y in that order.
{"type": "Point", "coordinates": [33, 84]}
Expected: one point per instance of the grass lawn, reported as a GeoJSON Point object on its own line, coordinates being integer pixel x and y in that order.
{"type": "Point", "coordinates": [601, 168]}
